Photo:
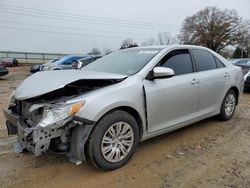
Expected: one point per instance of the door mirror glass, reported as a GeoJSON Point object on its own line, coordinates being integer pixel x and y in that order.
{"type": "Point", "coordinates": [163, 72]}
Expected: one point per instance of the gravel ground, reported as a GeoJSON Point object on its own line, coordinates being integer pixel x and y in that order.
{"type": "Point", "coordinates": [209, 153]}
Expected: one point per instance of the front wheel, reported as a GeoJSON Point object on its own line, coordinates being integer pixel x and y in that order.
{"type": "Point", "coordinates": [113, 140]}
{"type": "Point", "coordinates": [228, 106]}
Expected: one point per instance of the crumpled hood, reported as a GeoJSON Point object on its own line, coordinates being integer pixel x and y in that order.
{"type": "Point", "coordinates": [43, 82]}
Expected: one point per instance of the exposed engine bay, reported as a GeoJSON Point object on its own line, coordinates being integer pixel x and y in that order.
{"type": "Point", "coordinates": [73, 89]}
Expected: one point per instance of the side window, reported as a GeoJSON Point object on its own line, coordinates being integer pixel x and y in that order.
{"type": "Point", "coordinates": [74, 59]}
{"type": "Point", "coordinates": [204, 60]}
{"type": "Point", "coordinates": [219, 63]}
{"type": "Point", "coordinates": [69, 62]}
{"type": "Point", "coordinates": [178, 60]}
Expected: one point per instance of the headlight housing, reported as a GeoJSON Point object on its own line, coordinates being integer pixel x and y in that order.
{"type": "Point", "coordinates": [56, 115]}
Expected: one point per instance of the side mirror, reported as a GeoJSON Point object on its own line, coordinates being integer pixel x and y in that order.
{"type": "Point", "coordinates": [162, 72]}
{"type": "Point", "coordinates": [77, 64]}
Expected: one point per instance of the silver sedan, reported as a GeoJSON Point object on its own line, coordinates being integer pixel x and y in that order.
{"type": "Point", "coordinates": [101, 112]}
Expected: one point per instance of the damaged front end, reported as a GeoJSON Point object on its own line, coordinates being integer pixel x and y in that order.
{"type": "Point", "coordinates": [41, 127]}
{"type": "Point", "coordinates": [49, 121]}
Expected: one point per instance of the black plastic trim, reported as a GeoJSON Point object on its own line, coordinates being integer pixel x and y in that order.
{"type": "Point", "coordinates": [83, 120]}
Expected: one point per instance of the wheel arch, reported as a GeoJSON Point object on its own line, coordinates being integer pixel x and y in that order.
{"type": "Point", "coordinates": [132, 112]}
{"type": "Point", "coordinates": [237, 92]}
{"type": "Point", "coordinates": [57, 68]}
{"type": "Point", "coordinates": [81, 134]}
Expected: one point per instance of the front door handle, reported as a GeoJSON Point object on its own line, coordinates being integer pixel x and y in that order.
{"type": "Point", "coordinates": [195, 81]}
{"type": "Point", "coordinates": [226, 75]}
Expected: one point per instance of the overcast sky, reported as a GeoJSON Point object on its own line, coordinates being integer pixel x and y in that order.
{"type": "Point", "coordinates": [76, 26]}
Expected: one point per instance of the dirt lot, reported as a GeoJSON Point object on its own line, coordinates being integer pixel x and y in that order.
{"type": "Point", "coordinates": [7, 84]}
{"type": "Point", "coordinates": [207, 154]}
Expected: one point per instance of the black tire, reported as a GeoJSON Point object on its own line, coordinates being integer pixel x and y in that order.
{"type": "Point", "coordinates": [94, 144]}
{"type": "Point", "coordinates": [223, 115]}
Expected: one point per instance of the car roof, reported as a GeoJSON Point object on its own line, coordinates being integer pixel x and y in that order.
{"type": "Point", "coordinates": [67, 56]}
{"type": "Point", "coordinates": [161, 47]}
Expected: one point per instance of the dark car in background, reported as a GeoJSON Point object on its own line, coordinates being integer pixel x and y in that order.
{"type": "Point", "coordinates": [3, 71]}
{"type": "Point", "coordinates": [35, 68]}
{"type": "Point", "coordinates": [9, 62]}
{"type": "Point", "coordinates": [65, 62]}
{"type": "Point", "coordinates": [247, 81]}
{"type": "Point", "coordinates": [86, 60]}
{"type": "Point", "coordinates": [244, 64]}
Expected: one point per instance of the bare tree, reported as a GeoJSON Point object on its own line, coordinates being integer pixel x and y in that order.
{"type": "Point", "coordinates": [164, 38]}
{"type": "Point", "coordinates": [160, 38]}
{"type": "Point", "coordinates": [128, 43]}
{"type": "Point", "coordinates": [175, 39]}
{"type": "Point", "coordinates": [227, 52]}
{"type": "Point", "coordinates": [213, 28]}
{"type": "Point", "coordinates": [150, 42]}
{"type": "Point", "coordinates": [245, 39]}
{"type": "Point", "coordinates": [95, 51]}
{"type": "Point", "coordinates": [144, 43]}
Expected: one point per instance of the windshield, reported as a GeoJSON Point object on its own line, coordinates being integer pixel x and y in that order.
{"type": "Point", "coordinates": [125, 62]}
{"type": "Point", "coordinates": [54, 60]}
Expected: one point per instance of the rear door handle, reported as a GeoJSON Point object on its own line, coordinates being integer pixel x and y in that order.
{"type": "Point", "coordinates": [195, 81]}
{"type": "Point", "coordinates": [226, 75]}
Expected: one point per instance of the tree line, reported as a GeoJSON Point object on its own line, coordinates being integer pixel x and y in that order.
{"type": "Point", "coordinates": [223, 31]}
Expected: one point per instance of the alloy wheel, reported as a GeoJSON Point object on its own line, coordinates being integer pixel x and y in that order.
{"type": "Point", "coordinates": [117, 142]}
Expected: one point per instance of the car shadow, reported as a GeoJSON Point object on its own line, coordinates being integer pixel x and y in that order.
{"type": "Point", "coordinates": [51, 158]}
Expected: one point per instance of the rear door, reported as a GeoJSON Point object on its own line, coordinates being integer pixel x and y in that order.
{"type": "Point", "coordinates": [213, 77]}
{"type": "Point", "coordinates": [171, 101]}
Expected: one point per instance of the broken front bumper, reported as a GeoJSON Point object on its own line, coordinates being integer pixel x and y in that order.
{"type": "Point", "coordinates": [38, 140]}
{"type": "Point", "coordinates": [35, 139]}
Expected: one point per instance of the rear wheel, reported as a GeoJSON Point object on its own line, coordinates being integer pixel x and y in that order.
{"type": "Point", "coordinates": [228, 106]}
{"type": "Point", "coordinates": [113, 141]}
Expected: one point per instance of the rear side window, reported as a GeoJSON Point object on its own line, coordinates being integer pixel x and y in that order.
{"type": "Point", "coordinates": [204, 60]}
{"type": "Point", "coordinates": [219, 63]}
{"type": "Point", "coordinates": [178, 60]}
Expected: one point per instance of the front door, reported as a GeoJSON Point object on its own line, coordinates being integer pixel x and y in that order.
{"type": "Point", "coordinates": [171, 101]}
